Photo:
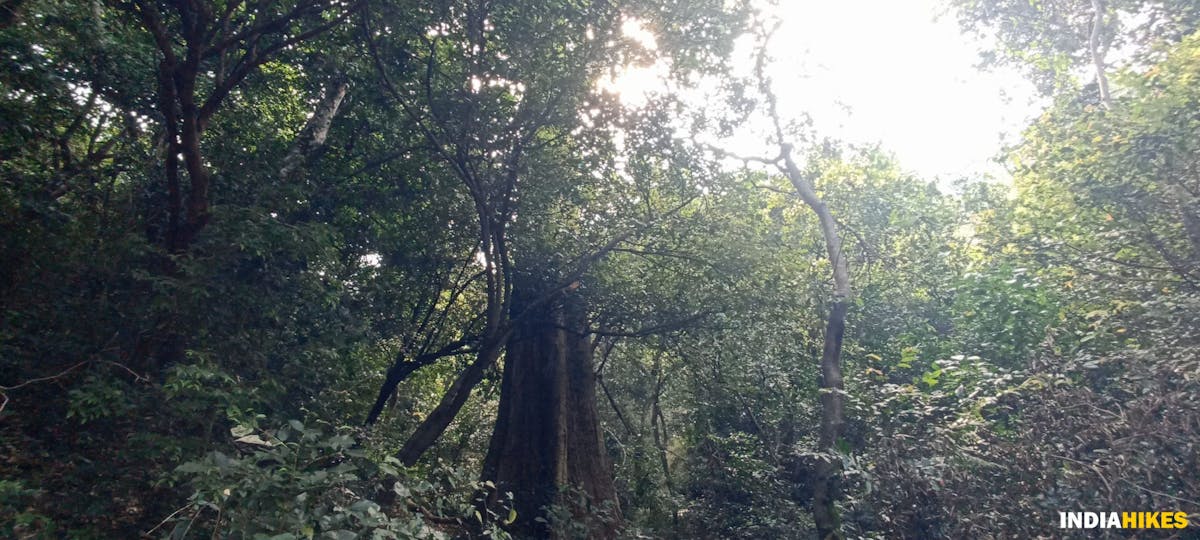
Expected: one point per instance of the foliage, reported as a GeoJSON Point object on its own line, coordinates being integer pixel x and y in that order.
{"type": "Point", "coordinates": [185, 370]}
{"type": "Point", "coordinates": [1086, 412]}
{"type": "Point", "coordinates": [301, 481]}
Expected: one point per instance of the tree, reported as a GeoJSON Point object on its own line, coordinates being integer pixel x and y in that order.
{"type": "Point", "coordinates": [98, 304]}
{"type": "Point", "coordinates": [827, 469]}
{"type": "Point", "coordinates": [222, 45]}
{"type": "Point", "coordinates": [1053, 41]}
{"type": "Point", "coordinates": [509, 119]}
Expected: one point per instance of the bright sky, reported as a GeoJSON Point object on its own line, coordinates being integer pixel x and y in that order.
{"type": "Point", "coordinates": [907, 81]}
{"type": "Point", "coordinates": [895, 73]}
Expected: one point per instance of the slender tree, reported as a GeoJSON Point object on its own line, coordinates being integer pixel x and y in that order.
{"type": "Point", "coordinates": [826, 473]}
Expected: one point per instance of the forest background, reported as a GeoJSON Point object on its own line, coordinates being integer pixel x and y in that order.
{"type": "Point", "coordinates": [393, 269]}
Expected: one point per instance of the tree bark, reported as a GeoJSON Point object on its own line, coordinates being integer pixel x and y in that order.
{"type": "Point", "coordinates": [547, 447]}
{"type": "Point", "coordinates": [312, 137]}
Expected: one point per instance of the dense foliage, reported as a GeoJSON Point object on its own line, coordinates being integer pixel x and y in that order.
{"type": "Point", "coordinates": [390, 269]}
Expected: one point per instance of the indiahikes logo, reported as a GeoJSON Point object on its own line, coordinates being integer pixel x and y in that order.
{"type": "Point", "coordinates": [1122, 520]}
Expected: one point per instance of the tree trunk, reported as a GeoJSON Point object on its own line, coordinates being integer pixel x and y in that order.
{"type": "Point", "coordinates": [312, 137]}
{"type": "Point", "coordinates": [1097, 54]}
{"type": "Point", "coordinates": [456, 396]}
{"type": "Point", "coordinates": [827, 472]}
{"type": "Point", "coordinates": [547, 447]}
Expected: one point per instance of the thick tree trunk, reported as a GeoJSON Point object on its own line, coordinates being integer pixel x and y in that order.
{"type": "Point", "coordinates": [547, 447]}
